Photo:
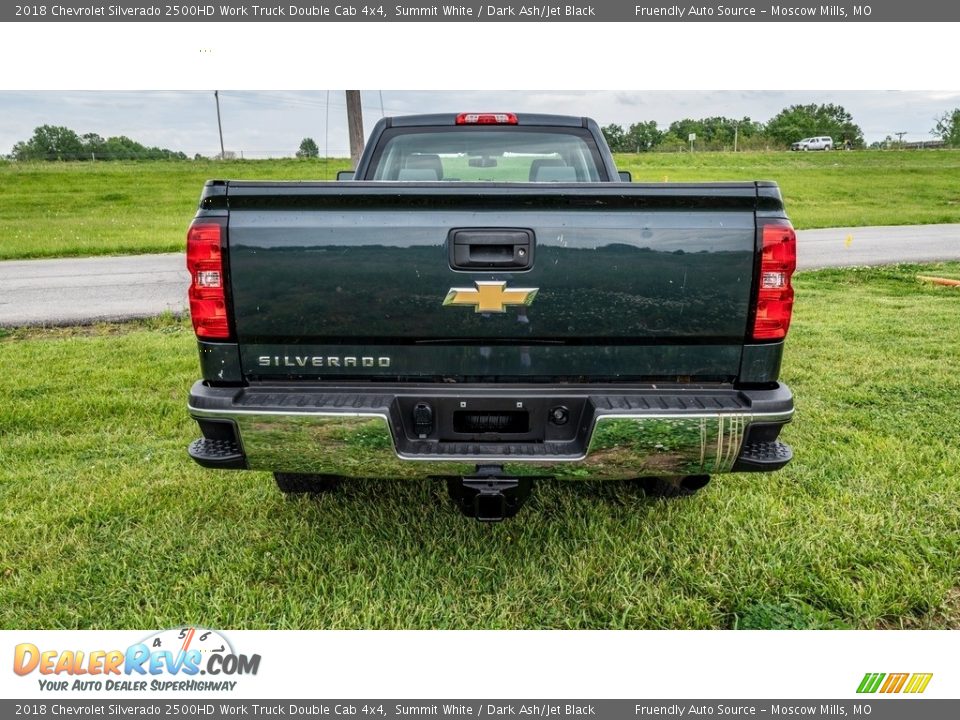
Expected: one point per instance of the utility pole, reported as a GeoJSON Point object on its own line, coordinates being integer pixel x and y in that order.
{"type": "Point", "coordinates": [736, 134]}
{"type": "Point", "coordinates": [900, 138]}
{"type": "Point", "coordinates": [216, 96]}
{"type": "Point", "coordinates": [326, 126]}
{"type": "Point", "coordinates": [355, 125]}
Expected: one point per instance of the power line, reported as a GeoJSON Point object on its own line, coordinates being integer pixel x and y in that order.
{"type": "Point", "coordinates": [261, 98]}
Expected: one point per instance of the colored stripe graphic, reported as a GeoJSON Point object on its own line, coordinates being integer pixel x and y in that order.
{"type": "Point", "coordinates": [894, 682]}
{"type": "Point", "coordinates": [870, 682]}
{"type": "Point", "coordinates": [918, 682]}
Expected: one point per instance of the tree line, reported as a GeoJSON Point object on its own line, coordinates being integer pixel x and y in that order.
{"type": "Point", "coordinates": [55, 142]}
{"type": "Point", "coordinates": [788, 126]}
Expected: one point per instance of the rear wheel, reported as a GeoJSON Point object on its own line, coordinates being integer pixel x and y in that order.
{"type": "Point", "coordinates": [672, 487]}
{"type": "Point", "coordinates": [299, 483]}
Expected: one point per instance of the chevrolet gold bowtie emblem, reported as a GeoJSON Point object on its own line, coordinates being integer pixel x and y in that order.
{"type": "Point", "coordinates": [490, 297]}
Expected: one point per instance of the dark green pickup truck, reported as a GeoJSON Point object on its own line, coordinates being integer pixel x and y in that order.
{"type": "Point", "coordinates": [488, 300]}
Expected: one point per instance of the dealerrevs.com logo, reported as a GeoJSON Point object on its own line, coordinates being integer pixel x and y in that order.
{"type": "Point", "coordinates": [169, 660]}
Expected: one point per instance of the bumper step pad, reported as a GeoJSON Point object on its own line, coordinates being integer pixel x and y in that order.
{"type": "Point", "coordinates": [217, 454]}
{"type": "Point", "coordinates": [763, 456]}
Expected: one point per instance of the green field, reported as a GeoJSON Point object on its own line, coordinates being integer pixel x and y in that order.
{"type": "Point", "coordinates": [62, 209]}
{"type": "Point", "coordinates": [107, 524]}
{"type": "Point", "coordinates": [109, 208]}
{"type": "Point", "coordinates": [829, 189]}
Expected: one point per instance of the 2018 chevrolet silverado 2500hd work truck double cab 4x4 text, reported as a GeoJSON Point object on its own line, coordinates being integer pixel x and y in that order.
{"type": "Point", "coordinates": [487, 300]}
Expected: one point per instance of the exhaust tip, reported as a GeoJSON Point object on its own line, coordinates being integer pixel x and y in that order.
{"type": "Point", "coordinates": [672, 486]}
{"type": "Point", "coordinates": [692, 483]}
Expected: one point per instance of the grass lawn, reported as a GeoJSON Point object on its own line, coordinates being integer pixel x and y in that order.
{"type": "Point", "coordinates": [107, 524]}
{"type": "Point", "coordinates": [69, 209]}
{"type": "Point", "coordinates": [829, 189]}
{"type": "Point", "coordinates": [111, 208]}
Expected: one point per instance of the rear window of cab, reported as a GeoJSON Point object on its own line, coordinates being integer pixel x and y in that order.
{"type": "Point", "coordinates": [487, 154]}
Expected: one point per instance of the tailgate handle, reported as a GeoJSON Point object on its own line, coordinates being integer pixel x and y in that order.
{"type": "Point", "coordinates": [491, 249]}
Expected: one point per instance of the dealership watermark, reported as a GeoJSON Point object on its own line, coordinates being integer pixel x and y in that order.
{"type": "Point", "coordinates": [492, 11]}
{"type": "Point", "coordinates": [181, 659]}
{"type": "Point", "coordinates": [565, 709]}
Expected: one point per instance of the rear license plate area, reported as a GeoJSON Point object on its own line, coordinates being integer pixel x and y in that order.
{"type": "Point", "coordinates": [472, 422]}
{"type": "Point", "coordinates": [492, 419]}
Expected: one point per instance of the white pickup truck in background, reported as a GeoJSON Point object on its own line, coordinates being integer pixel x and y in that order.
{"type": "Point", "coordinates": [813, 143]}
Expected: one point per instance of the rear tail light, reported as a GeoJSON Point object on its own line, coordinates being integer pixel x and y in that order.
{"type": "Point", "coordinates": [486, 119]}
{"type": "Point", "coordinates": [775, 293]}
{"type": "Point", "coordinates": [208, 302]}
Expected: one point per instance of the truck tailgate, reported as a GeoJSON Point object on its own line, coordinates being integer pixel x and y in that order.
{"type": "Point", "coordinates": [631, 281]}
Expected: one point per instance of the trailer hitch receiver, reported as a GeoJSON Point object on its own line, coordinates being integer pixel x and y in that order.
{"type": "Point", "coordinates": [489, 496]}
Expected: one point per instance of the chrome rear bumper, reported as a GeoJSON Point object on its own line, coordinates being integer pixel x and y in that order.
{"type": "Point", "coordinates": [615, 433]}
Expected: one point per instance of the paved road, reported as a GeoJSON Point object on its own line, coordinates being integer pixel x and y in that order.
{"type": "Point", "coordinates": [83, 290]}
{"type": "Point", "coordinates": [845, 247]}
{"type": "Point", "coordinates": [72, 291]}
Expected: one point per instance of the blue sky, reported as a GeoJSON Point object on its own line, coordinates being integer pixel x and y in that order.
{"type": "Point", "coordinates": [272, 123]}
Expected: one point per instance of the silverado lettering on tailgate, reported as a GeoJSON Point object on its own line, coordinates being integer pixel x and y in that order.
{"type": "Point", "coordinates": [330, 361]}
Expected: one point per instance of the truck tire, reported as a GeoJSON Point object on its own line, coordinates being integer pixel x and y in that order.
{"type": "Point", "coordinates": [672, 487]}
{"type": "Point", "coordinates": [299, 483]}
